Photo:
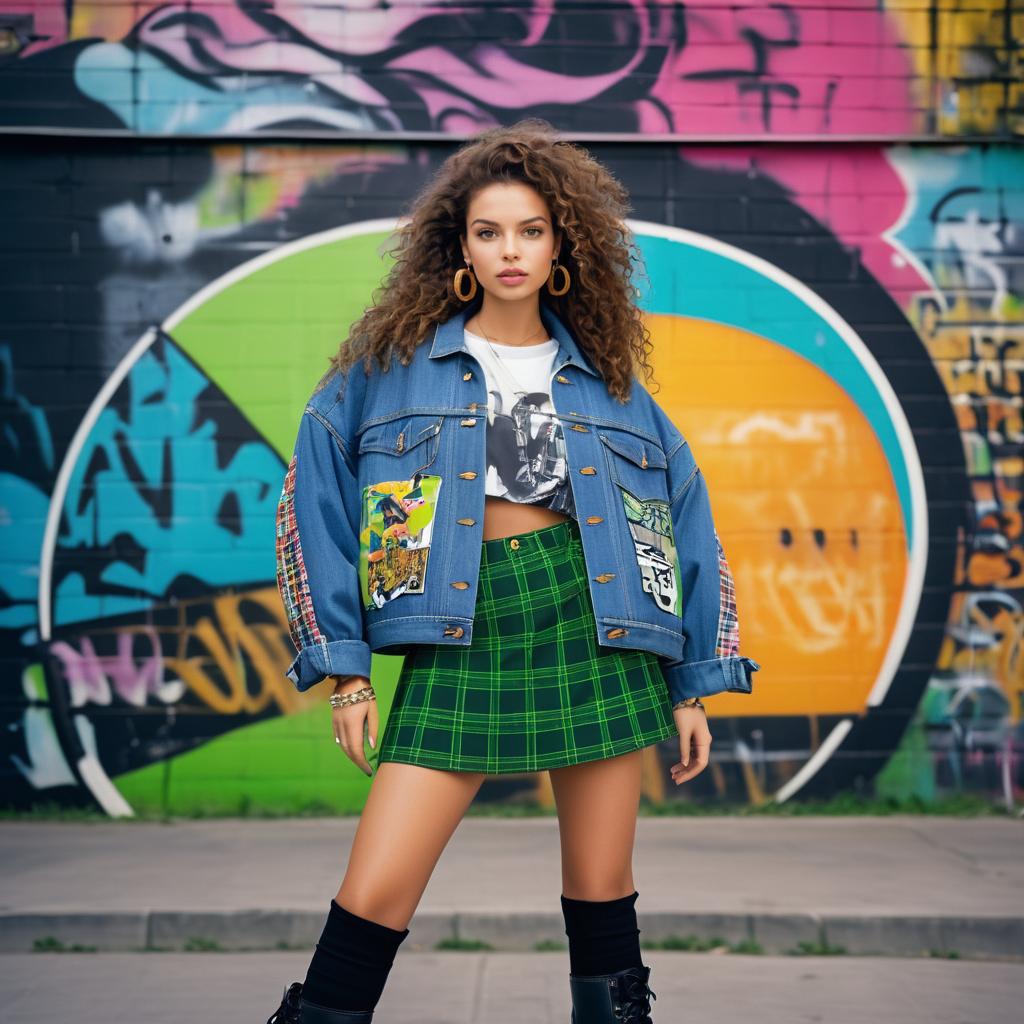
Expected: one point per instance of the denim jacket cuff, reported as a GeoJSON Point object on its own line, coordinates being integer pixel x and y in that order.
{"type": "Point", "coordinates": [339, 658]}
{"type": "Point", "coordinates": [704, 678]}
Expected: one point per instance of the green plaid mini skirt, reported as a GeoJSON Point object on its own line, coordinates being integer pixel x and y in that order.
{"type": "Point", "coordinates": [534, 690]}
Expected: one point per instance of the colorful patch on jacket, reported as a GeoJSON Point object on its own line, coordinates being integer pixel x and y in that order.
{"type": "Point", "coordinates": [650, 523]}
{"type": "Point", "coordinates": [291, 570]}
{"type": "Point", "coordinates": [395, 527]}
{"type": "Point", "coordinates": [727, 643]}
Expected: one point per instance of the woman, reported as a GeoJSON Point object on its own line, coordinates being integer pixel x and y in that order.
{"type": "Point", "coordinates": [517, 544]}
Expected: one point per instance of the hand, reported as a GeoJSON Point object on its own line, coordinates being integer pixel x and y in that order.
{"type": "Point", "coordinates": [694, 743]}
{"type": "Point", "coordinates": [352, 723]}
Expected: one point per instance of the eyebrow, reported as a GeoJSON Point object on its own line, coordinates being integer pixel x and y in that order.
{"type": "Point", "coordinates": [484, 220]}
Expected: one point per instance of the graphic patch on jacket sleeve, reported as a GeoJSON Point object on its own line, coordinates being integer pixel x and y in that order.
{"type": "Point", "coordinates": [396, 524]}
{"type": "Point", "coordinates": [650, 523]}
{"type": "Point", "coordinates": [727, 643]}
{"type": "Point", "coordinates": [292, 580]}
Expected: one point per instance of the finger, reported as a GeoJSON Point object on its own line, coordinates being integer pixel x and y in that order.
{"type": "Point", "coordinates": [338, 719]}
{"type": "Point", "coordinates": [685, 742]}
{"type": "Point", "coordinates": [702, 748]}
{"type": "Point", "coordinates": [373, 721]}
{"type": "Point", "coordinates": [696, 762]}
{"type": "Point", "coordinates": [684, 776]}
{"type": "Point", "coordinates": [354, 742]}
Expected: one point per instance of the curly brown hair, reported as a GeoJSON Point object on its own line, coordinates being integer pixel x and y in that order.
{"type": "Point", "coordinates": [588, 206]}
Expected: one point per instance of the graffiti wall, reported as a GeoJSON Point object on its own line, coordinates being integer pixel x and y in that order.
{"type": "Point", "coordinates": [196, 202]}
{"type": "Point", "coordinates": [718, 67]}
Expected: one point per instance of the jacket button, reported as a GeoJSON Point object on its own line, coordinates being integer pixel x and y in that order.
{"type": "Point", "coordinates": [466, 522]}
{"type": "Point", "coordinates": [467, 423]}
{"type": "Point", "coordinates": [473, 406]}
{"type": "Point", "coordinates": [460, 584]}
{"type": "Point", "coordinates": [595, 519]}
{"type": "Point", "coordinates": [617, 631]}
{"type": "Point", "coordinates": [468, 475]}
{"type": "Point", "coordinates": [605, 577]}
{"type": "Point", "coordinates": [468, 375]}
{"type": "Point", "coordinates": [514, 543]}
{"type": "Point", "coordinates": [455, 631]}
{"type": "Point", "coordinates": [561, 379]}
{"type": "Point", "coordinates": [579, 426]}
{"type": "Point", "coordinates": [588, 470]}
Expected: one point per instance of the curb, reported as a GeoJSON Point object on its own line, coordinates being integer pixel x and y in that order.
{"type": "Point", "coordinates": [978, 937]}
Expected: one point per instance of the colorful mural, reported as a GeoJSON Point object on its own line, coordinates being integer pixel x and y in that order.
{"type": "Point", "coordinates": [721, 68]}
{"type": "Point", "coordinates": [837, 329]}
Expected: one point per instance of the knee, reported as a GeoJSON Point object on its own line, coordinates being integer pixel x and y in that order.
{"type": "Point", "coordinates": [597, 887]}
{"type": "Point", "coordinates": [386, 907]}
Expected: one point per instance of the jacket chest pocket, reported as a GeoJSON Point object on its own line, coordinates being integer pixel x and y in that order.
{"type": "Point", "coordinates": [405, 446]}
{"type": "Point", "coordinates": [640, 471]}
{"type": "Point", "coordinates": [637, 465]}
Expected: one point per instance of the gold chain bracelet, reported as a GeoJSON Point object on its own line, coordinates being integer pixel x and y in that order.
{"type": "Point", "coordinates": [689, 702]}
{"type": "Point", "coordinates": [343, 700]}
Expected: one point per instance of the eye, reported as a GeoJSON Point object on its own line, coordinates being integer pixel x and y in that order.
{"type": "Point", "coordinates": [538, 230]}
{"type": "Point", "coordinates": [484, 231]}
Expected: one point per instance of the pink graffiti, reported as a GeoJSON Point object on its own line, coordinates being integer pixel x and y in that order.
{"type": "Point", "coordinates": [797, 68]}
{"type": "Point", "coordinates": [94, 679]}
{"type": "Point", "coordinates": [801, 67]}
{"type": "Point", "coordinates": [720, 67]}
{"type": "Point", "coordinates": [458, 89]}
{"type": "Point", "coordinates": [48, 21]}
{"type": "Point", "coordinates": [856, 193]}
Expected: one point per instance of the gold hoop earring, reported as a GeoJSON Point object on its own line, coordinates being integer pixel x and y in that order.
{"type": "Point", "coordinates": [460, 275]}
{"type": "Point", "coordinates": [551, 280]}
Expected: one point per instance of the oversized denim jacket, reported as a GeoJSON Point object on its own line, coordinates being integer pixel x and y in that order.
{"type": "Point", "coordinates": [380, 522]}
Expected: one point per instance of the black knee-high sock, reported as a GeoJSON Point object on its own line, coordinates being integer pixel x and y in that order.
{"type": "Point", "coordinates": [603, 935]}
{"type": "Point", "coordinates": [352, 961]}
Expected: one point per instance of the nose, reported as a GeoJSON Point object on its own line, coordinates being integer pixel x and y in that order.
{"type": "Point", "coordinates": [510, 249]}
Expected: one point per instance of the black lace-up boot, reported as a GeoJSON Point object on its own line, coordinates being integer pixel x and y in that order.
{"type": "Point", "coordinates": [295, 1010]}
{"type": "Point", "coordinates": [620, 998]}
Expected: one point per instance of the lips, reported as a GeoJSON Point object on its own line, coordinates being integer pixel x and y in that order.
{"type": "Point", "coordinates": [512, 273]}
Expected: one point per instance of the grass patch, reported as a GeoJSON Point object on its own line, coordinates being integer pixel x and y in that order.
{"type": "Point", "coordinates": [50, 944]}
{"type": "Point", "coordinates": [462, 944]}
{"type": "Point", "coordinates": [685, 943]}
{"type": "Point", "coordinates": [748, 946]}
{"type": "Point", "coordinates": [818, 948]}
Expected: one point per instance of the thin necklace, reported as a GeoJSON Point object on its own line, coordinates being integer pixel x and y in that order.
{"type": "Point", "coordinates": [516, 386]}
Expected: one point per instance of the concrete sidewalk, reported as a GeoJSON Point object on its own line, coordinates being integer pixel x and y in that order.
{"type": "Point", "coordinates": [512, 988]}
{"type": "Point", "coordinates": [900, 885]}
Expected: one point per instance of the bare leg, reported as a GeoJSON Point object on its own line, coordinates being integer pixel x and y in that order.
{"type": "Point", "coordinates": [597, 804]}
{"type": "Point", "coordinates": [407, 820]}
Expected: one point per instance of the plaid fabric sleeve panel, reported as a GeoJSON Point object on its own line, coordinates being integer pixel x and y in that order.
{"type": "Point", "coordinates": [317, 558]}
{"type": "Point", "coordinates": [711, 660]}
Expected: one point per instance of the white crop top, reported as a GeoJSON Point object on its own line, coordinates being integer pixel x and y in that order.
{"type": "Point", "coordinates": [525, 447]}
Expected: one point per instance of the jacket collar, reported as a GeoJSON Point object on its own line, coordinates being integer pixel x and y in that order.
{"type": "Point", "coordinates": [449, 337]}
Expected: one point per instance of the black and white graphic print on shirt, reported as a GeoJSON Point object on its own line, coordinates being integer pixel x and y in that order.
{"type": "Point", "coordinates": [525, 447]}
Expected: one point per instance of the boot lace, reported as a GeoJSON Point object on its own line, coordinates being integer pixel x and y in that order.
{"type": "Point", "coordinates": [636, 995]}
{"type": "Point", "coordinates": [290, 1008]}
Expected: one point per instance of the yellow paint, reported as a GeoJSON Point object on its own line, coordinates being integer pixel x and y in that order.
{"type": "Point", "coordinates": [964, 99]}
{"type": "Point", "coordinates": [783, 448]}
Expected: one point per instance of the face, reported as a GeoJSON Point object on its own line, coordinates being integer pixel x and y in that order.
{"type": "Point", "coordinates": [508, 227]}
